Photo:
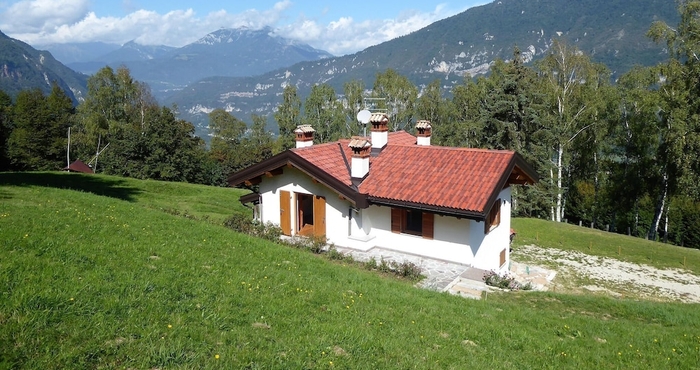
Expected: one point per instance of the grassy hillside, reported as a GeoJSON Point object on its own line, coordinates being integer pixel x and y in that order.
{"type": "Point", "coordinates": [94, 274]}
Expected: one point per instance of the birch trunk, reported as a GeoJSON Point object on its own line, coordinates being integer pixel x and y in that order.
{"type": "Point", "coordinates": [660, 203]}
{"type": "Point", "coordinates": [551, 181]}
{"type": "Point", "coordinates": [560, 192]}
{"type": "Point", "coordinates": [97, 154]}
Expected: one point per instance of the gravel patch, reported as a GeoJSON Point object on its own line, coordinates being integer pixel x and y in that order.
{"type": "Point", "coordinates": [609, 275]}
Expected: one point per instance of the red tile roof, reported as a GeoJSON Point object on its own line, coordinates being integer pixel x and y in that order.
{"type": "Point", "coordinates": [456, 181]}
{"type": "Point", "coordinates": [79, 166]}
{"type": "Point", "coordinates": [455, 178]}
{"type": "Point", "coordinates": [328, 156]}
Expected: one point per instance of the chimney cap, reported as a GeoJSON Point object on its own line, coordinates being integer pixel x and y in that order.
{"type": "Point", "coordinates": [359, 143]}
{"type": "Point", "coordinates": [378, 118]}
{"type": "Point", "coordinates": [304, 129]}
{"type": "Point", "coordinates": [423, 124]}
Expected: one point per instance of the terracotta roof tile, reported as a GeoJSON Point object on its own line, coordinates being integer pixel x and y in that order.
{"type": "Point", "coordinates": [401, 138]}
{"type": "Point", "coordinates": [456, 178]}
{"type": "Point", "coordinates": [329, 158]}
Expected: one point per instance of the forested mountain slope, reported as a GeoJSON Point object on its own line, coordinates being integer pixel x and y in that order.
{"type": "Point", "coordinates": [611, 32]}
{"type": "Point", "coordinates": [23, 67]}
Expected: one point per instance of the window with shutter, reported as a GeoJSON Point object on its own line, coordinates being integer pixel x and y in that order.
{"type": "Point", "coordinates": [414, 222]}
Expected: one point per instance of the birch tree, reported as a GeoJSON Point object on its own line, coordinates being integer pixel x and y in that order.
{"type": "Point", "coordinates": [568, 76]}
{"type": "Point", "coordinates": [288, 117]}
{"type": "Point", "coordinates": [679, 113]}
{"type": "Point", "coordinates": [399, 96]}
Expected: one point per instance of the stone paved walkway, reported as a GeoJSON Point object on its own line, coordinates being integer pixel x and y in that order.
{"type": "Point", "coordinates": [451, 277]}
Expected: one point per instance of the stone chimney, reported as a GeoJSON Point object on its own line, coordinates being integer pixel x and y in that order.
{"type": "Point", "coordinates": [361, 147]}
{"type": "Point", "coordinates": [304, 136]}
{"type": "Point", "coordinates": [380, 131]}
{"type": "Point", "coordinates": [423, 130]}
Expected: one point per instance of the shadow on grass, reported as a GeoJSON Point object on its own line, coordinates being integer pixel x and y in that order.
{"type": "Point", "coordinates": [109, 187]}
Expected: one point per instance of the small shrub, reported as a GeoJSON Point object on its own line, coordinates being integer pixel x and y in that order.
{"type": "Point", "coordinates": [407, 269]}
{"type": "Point", "coordinates": [504, 281]}
{"type": "Point", "coordinates": [333, 254]}
{"type": "Point", "coordinates": [347, 257]}
{"type": "Point", "coordinates": [243, 224]}
{"type": "Point", "coordinates": [239, 222]}
{"type": "Point", "coordinates": [317, 244]}
{"type": "Point", "coordinates": [384, 266]}
{"type": "Point", "coordinates": [371, 264]}
{"type": "Point", "coordinates": [268, 231]}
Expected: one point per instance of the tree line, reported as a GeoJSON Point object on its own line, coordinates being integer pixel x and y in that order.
{"type": "Point", "coordinates": [618, 155]}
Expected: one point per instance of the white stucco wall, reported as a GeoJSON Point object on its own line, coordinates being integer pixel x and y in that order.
{"type": "Point", "coordinates": [457, 240]}
{"type": "Point", "coordinates": [487, 248]}
{"type": "Point", "coordinates": [295, 181]}
{"type": "Point", "coordinates": [449, 243]}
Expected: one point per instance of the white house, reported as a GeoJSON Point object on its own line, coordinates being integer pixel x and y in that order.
{"type": "Point", "coordinates": [392, 190]}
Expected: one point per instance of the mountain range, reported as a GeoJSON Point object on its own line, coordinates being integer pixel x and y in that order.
{"type": "Point", "coordinates": [245, 71]}
{"type": "Point", "coordinates": [610, 31]}
{"type": "Point", "coordinates": [225, 52]}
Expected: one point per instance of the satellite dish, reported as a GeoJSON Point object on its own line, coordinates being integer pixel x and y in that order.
{"type": "Point", "coordinates": [363, 116]}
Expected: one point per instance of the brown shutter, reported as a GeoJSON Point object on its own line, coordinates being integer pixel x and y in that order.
{"type": "Point", "coordinates": [396, 220]}
{"type": "Point", "coordinates": [493, 219]}
{"type": "Point", "coordinates": [428, 225]}
{"type": "Point", "coordinates": [319, 216]}
{"type": "Point", "coordinates": [497, 218]}
{"type": "Point", "coordinates": [285, 214]}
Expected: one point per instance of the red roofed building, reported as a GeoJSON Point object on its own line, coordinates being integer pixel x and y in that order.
{"type": "Point", "coordinates": [79, 166]}
{"type": "Point", "coordinates": [395, 191]}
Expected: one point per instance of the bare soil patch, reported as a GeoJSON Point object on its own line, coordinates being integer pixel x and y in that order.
{"type": "Point", "coordinates": [578, 272]}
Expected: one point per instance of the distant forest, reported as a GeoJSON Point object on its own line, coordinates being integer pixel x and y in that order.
{"type": "Point", "coordinates": [621, 156]}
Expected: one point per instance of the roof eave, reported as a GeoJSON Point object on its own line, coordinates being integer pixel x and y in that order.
{"type": "Point", "coordinates": [290, 158]}
{"type": "Point", "coordinates": [516, 161]}
{"type": "Point", "coordinates": [445, 211]}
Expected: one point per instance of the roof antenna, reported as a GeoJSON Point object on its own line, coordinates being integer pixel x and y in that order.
{"type": "Point", "coordinates": [363, 117]}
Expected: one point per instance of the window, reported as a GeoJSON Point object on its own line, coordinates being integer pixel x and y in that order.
{"type": "Point", "coordinates": [412, 221]}
{"type": "Point", "coordinates": [493, 219]}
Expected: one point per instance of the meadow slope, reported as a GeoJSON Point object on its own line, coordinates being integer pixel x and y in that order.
{"type": "Point", "coordinates": [104, 272]}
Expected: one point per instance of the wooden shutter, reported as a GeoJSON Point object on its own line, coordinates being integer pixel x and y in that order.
{"type": "Point", "coordinates": [428, 225]}
{"type": "Point", "coordinates": [502, 258]}
{"type": "Point", "coordinates": [396, 220]}
{"type": "Point", "coordinates": [285, 214]}
{"type": "Point", "coordinates": [493, 219]}
{"type": "Point", "coordinates": [319, 216]}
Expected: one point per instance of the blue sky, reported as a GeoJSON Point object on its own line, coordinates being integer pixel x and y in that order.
{"type": "Point", "coordinates": [338, 27]}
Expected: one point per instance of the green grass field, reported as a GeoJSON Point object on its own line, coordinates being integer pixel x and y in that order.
{"type": "Point", "coordinates": [105, 272]}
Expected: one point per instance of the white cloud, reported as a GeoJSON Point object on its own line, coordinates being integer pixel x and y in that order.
{"type": "Point", "coordinates": [42, 15]}
{"type": "Point", "coordinates": [345, 36]}
{"type": "Point", "coordinates": [62, 21]}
